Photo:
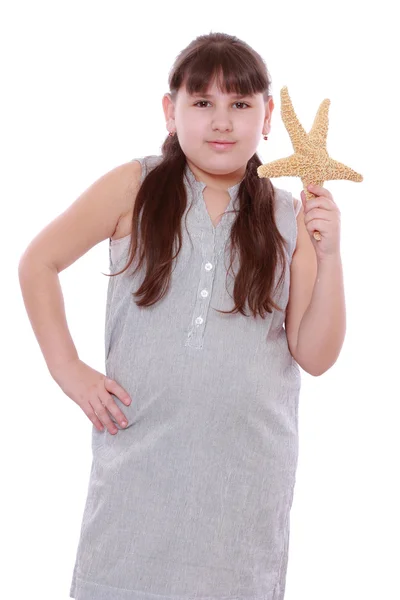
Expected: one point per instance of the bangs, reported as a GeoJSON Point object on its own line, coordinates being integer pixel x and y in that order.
{"type": "Point", "coordinates": [233, 70]}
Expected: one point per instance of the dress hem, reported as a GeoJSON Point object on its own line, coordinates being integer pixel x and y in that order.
{"type": "Point", "coordinates": [82, 589]}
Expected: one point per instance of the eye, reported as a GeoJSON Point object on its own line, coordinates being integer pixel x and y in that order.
{"type": "Point", "coordinates": [206, 101]}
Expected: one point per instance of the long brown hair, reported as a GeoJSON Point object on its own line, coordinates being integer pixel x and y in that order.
{"type": "Point", "coordinates": [161, 199]}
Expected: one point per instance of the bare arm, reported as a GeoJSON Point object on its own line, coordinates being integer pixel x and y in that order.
{"type": "Point", "coordinates": [44, 303]}
{"type": "Point", "coordinates": [89, 388]}
{"type": "Point", "coordinates": [323, 326]}
{"type": "Point", "coordinates": [93, 217]}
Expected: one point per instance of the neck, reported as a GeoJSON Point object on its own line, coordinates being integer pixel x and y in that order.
{"type": "Point", "coordinates": [217, 182]}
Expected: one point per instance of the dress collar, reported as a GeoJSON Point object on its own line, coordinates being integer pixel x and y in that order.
{"type": "Point", "coordinates": [196, 188]}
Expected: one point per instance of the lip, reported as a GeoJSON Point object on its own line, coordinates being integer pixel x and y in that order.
{"type": "Point", "coordinates": [221, 145]}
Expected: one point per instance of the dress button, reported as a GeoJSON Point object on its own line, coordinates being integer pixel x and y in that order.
{"type": "Point", "coordinates": [204, 293]}
{"type": "Point", "coordinates": [199, 320]}
{"type": "Point", "coordinates": [208, 266]}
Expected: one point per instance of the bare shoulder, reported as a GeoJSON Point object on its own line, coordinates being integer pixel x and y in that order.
{"type": "Point", "coordinates": [124, 225]}
{"type": "Point", "coordinates": [133, 170]}
{"type": "Point", "coordinates": [303, 273]}
{"type": "Point", "coordinates": [93, 217]}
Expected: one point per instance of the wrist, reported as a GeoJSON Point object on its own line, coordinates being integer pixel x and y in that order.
{"type": "Point", "coordinates": [331, 258]}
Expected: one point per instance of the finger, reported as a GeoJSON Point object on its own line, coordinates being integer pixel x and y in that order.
{"type": "Point", "coordinates": [89, 412]}
{"type": "Point", "coordinates": [318, 190]}
{"type": "Point", "coordinates": [112, 386]}
{"type": "Point", "coordinates": [108, 401]}
{"type": "Point", "coordinates": [102, 412]}
{"type": "Point", "coordinates": [316, 225]}
{"type": "Point", "coordinates": [320, 202]}
{"type": "Point", "coordinates": [316, 213]}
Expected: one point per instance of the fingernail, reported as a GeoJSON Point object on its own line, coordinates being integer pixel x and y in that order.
{"type": "Point", "coordinates": [123, 423]}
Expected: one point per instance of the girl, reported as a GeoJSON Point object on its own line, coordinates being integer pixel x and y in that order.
{"type": "Point", "coordinates": [192, 497]}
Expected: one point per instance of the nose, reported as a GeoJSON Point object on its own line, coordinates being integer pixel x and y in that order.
{"type": "Point", "coordinates": [221, 120]}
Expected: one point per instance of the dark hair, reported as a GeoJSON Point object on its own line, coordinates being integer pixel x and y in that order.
{"type": "Point", "coordinates": [254, 232]}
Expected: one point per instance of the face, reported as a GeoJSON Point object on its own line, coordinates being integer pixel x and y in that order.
{"type": "Point", "coordinates": [200, 119]}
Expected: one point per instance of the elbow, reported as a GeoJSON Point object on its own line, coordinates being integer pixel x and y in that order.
{"type": "Point", "coordinates": [311, 371]}
{"type": "Point", "coordinates": [320, 370]}
{"type": "Point", "coordinates": [317, 373]}
{"type": "Point", "coordinates": [314, 369]}
{"type": "Point", "coordinates": [316, 365]}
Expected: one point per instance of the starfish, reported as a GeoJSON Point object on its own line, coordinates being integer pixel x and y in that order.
{"type": "Point", "coordinates": [310, 160]}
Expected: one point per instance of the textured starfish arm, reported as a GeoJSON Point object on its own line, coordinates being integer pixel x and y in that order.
{"type": "Point", "coordinates": [293, 126]}
{"type": "Point", "coordinates": [319, 131]}
{"type": "Point", "coordinates": [283, 167]}
{"type": "Point", "coordinates": [337, 170]}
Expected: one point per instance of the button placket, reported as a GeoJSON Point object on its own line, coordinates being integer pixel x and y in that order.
{"type": "Point", "coordinates": [207, 272]}
{"type": "Point", "coordinates": [212, 241]}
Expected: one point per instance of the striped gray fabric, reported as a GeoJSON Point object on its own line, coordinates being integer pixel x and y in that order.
{"type": "Point", "coordinates": [193, 498]}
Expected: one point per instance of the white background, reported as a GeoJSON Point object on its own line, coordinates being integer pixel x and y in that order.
{"type": "Point", "coordinates": [82, 84]}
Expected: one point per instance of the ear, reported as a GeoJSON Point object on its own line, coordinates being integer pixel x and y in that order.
{"type": "Point", "coordinates": [269, 107]}
{"type": "Point", "coordinates": [168, 107]}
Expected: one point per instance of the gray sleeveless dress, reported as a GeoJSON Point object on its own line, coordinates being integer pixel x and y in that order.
{"type": "Point", "coordinates": [192, 500]}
